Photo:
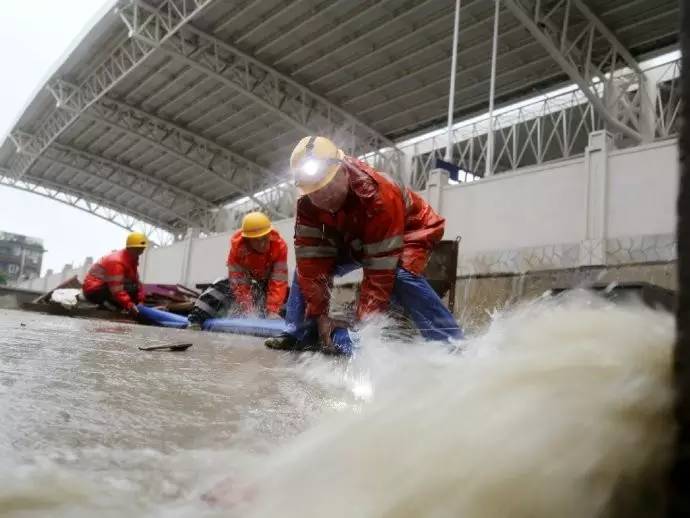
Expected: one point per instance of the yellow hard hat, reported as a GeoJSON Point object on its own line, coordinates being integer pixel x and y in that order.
{"type": "Point", "coordinates": [255, 224]}
{"type": "Point", "coordinates": [137, 240]}
{"type": "Point", "coordinates": [314, 162]}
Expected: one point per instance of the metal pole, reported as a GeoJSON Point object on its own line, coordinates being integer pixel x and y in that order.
{"type": "Point", "coordinates": [679, 498]}
{"type": "Point", "coordinates": [21, 264]}
{"type": "Point", "coordinates": [451, 94]}
{"type": "Point", "coordinates": [490, 135]}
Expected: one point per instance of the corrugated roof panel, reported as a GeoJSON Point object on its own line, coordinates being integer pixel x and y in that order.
{"type": "Point", "coordinates": [386, 62]}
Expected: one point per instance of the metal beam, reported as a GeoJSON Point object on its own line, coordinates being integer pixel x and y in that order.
{"type": "Point", "coordinates": [196, 100]}
{"type": "Point", "coordinates": [183, 195]}
{"type": "Point", "coordinates": [178, 142]}
{"type": "Point", "coordinates": [243, 9]}
{"type": "Point", "coordinates": [143, 192]}
{"type": "Point", "coordinates": [295, 103]}
{"type": "Point", "coordinates": [466, 51]}
{"type": "Point", "coordinates": [393, 19]}
{"type": "Point", "coordinates": [221, 161]}
{"type": "Point", "coordinates": [462, 94]}
{"type": "Point", "coordinates": [424, 70]}
{"type": "Point", "coordinates": [240, 128]}
{"type": "Point", "coordinates": [125, 58]}
{"type": "Point", "coordinates": [439, 38]}
{"type": "Point", "coordinates": [568, 33]}
{"type": "Point", "coordinates": [154, 74]}
{"type": "Point", "coordinates": [235, 160]}
{"type": "Point", "coordinates": [306, 21]}
{"type": "Point", "coordinates": [143, 136]}
{"type": "Point", "coordinates": [360, 13]}
{"type": "Point", "coordinates": [94, 205]}
{"type": "Point", "coordinates": [478, 100]}
{"type": "Point", "coordinates": [276, 14]}
{"type": "Point", "coordinates": [134, 184]}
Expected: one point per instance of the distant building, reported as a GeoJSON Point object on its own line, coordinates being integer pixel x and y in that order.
{"type": "Point", "coordinates": [20, 256]}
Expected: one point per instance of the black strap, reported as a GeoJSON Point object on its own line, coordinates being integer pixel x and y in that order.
{"type": "Point", "coordinates": [310, 147]}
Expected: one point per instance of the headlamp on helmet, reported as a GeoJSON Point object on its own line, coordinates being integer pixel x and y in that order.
{"type": "Point", "coordinates": [315, 161]}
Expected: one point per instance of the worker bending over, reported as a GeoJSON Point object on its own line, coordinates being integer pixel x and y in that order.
{"type": "Point", "coordinates": [349, 216]}
{"type": "Point", "coordinates": [113, 282]}
{"type": "Point", "coordinates": [257, 275]}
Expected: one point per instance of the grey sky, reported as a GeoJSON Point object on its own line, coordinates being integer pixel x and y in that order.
{"type": "Point", "coordinates": [35, 34]}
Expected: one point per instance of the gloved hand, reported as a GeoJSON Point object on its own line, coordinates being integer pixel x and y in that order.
{"type": "Point", "coordinates": [133, 312]}
{"type": "Point", "coordinates": [273, 316]}
{"type": "Point", "coordinates": [326, 325]}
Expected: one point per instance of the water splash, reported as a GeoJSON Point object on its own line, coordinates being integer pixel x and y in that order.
{"type": "Point", "coordinates": [562, 408]}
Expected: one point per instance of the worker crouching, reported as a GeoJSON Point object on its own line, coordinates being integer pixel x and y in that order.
{"type": "Point", "coordinates": [257, 275]}
{"type": "Point", "coordinates": [351, 216]}
{"type": "Point", "coordinates": [113, 282]}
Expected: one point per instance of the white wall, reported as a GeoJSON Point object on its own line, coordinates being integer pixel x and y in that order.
{"type": "Point", "coordinates": [208, 259]}
{"type": "Point", "coordinates": [514, 210]}
{"type": "Point", "coordinates": [643, 187]}
{"type": "Point", "coordinates": [535, 218]}
{"type": "Point", "coordinates": [163, 265]}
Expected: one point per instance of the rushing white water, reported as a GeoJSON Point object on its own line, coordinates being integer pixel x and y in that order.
{"type": "Point", "coordinates": [562, 408]}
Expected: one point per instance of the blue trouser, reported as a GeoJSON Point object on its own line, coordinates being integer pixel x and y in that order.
{"type": "Point", "coordinates": [412, 292]}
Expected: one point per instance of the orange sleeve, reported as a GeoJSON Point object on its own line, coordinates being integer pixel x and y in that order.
{"type": "Point", "coordinates": [239, 281]}
{"type": "Point", "coordinates": [316, 258]}
{"type": "Point", "coordinates": [142, 293]}
{"type": "Point", "coordinates": [382, 243]}
{"type": "Point", "coordinates": [115, 273]}
{"type": "Point", "coordinates": [278, 280]}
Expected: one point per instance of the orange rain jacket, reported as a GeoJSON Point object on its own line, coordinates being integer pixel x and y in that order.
{"type": "Point", "coordinates": [245, 264]}
{"type": "Point", "coordinates": [117, 271]}
{"type": "Point", "coordinates": [381, 226]}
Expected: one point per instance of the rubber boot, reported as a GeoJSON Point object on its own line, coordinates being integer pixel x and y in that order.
{"type": "Point", "coordinates": [283, 342]}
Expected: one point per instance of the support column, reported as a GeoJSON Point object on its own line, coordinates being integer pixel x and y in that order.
{"type": "Point", "coordinates": [406, 166]}
{"type": "Point", "coordinates": [192, 234]}
{"type": "Point", "coordinates": [593, 247]}
{"type": "Point", "coordinates": [451, 92]}
{"type": "Point", "coordinates": [438, 179]}
{"type": "Point", "coordinates": [648, 99]}
{"type": "Point", "coordinates": [88, 262]}
{"type": "Point", "coordinates": [489, 160]}
{"type": "Point", "coordinates": [143, 263]}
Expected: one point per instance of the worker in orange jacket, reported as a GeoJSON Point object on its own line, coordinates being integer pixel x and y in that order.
{"type": "Point", "coordinates": [257, 275]}
{"type": "Point", "coordinates": [114, 280]}
{"type": "Point", "coordinates": [348, 216]}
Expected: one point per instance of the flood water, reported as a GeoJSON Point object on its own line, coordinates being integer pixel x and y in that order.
{"type": "Point", "coordinates": [544, 414]}
{"type": "Point", "coordinates": [89, 421]}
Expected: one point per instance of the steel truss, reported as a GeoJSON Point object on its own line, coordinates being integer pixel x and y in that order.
{"type": "Point", "coordinates": [242, 176]}
{"type": "Point", "coordinates": [666, 97]}
{"type": "Point", "coordinates": [124, 59]}
{"type": "Point", "coordinates": [619, 95]}
{"type": "Point", "coordinates": [553, 128]}
{"type": "Point", "coordinates": [594, 59]}
{"type": "Point", "coordinates": [296, 104]}
{"type": "Point", "coordinates": [281, 195]}
{"type": "Point", "coordinates": [132, 178]}
{"type": "Point", "coordinates": [153, 28]}
{"type": "Point", "coordinates": [91, 204]}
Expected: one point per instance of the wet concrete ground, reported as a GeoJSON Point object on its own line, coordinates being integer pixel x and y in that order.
{"type": "Point", "coordinates": [79, 399]}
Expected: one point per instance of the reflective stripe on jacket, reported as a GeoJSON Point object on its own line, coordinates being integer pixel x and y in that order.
{"type": "Point", "coordinates": [245, 264]}
{"type": "Point", "coordinates": [381, 225]}
{"type": "Point", "coordinates": [117, 271]}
